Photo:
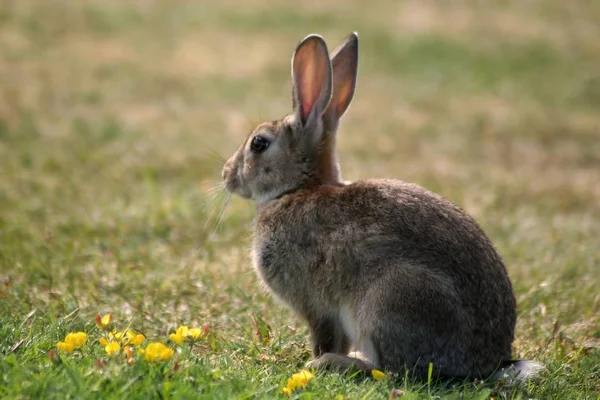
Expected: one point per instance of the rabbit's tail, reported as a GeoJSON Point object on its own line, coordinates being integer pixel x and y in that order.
{"type": "Point", "coordinates": [517, 370]}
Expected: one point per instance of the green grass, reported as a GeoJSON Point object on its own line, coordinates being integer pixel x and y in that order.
{"type": "Point", "coordinates": [115, 117]}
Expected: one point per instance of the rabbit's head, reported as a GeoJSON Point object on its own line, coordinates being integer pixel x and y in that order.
{"type": "Point", "coordinates": [298, 151]}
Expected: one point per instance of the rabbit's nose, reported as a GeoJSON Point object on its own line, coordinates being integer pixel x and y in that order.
{"type": "Point", "coordinates": [227, 168]}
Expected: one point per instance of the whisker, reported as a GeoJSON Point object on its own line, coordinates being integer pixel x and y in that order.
{"type": "Point", "coordinates": [211, 186]}
{"type": "Point", "coordinates": [214, 154]}
{"type": "Point", "coordinates": [220, 216]}
{"type": "Point", "coordinates": [217, 185]}
{"type": "Point", "coordinates": [213, 198]}
{"type": "Point", "coordinates": [215, 164]}
{"type": "Point", "coordinates": [215, 192]}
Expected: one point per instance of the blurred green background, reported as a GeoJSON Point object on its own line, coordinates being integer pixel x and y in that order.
{"type": "Point", "coordinates": [115, 117]}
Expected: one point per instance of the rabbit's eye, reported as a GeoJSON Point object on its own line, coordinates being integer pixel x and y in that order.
{"type": "Point", "coordinates": [259, 144]}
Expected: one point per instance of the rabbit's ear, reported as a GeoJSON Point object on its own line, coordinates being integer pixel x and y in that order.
{"type": "Point", "coordinates": [311, 75]}
{"type": "Point", "coordinates": [344, 60]}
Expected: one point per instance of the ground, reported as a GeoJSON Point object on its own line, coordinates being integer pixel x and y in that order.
{"type": "Point", "coordinates": [115, 118]}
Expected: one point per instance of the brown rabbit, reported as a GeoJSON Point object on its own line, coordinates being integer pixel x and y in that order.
{"type": "Point", "coordinates": [385, 268]}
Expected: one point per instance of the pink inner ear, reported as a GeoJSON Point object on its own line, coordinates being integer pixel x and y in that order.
{"type": "Point", "coordinates": [344, 64]}
{"type": "Point", "coordinates": [310, 69]}
{"type": "Point", "coordinates": [308, 89]}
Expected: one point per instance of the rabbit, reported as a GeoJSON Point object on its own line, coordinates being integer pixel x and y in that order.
{"type": "Point", "coordinates": [386, 274]}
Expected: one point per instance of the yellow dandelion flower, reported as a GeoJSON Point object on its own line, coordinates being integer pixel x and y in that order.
{"type": "Point", "coordinates": [157, 351]}
{"type": "Point", "coordinates": [112, 348]}
{"type": "Point", "coordinates": [377, 374]}
{"type": "Point", "coordinates": [104, 323]}
{"type": "Point", "coordinates": [297, 381]}
{"type": "Point", "coordinates": [103, 341]}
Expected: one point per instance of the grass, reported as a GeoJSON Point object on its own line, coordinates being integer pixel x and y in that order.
{"type": "Point", "coordinates": [115, 117]}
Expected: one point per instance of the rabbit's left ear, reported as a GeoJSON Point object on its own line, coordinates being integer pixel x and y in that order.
{"type": "Point", "coordinates": [344, 60]}
{"type": "Point", "coordinates": [311, 76]}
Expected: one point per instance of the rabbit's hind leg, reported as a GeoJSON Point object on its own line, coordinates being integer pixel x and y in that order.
{"type": "Point", "coordinates": [416, 318]}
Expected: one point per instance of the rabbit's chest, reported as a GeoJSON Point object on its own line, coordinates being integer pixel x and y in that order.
{"type": "Point", "coordinates": [290, 271]}
{"type": "Point", "coordinates": [277, 264]}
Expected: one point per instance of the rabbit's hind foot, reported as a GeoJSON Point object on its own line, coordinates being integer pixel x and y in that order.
{"type": "Point", "coordinates": [340, 362]}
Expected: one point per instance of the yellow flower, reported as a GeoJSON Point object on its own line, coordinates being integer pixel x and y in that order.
{"type": "Point", "coordinates": [133, 338]}
{"type": "Point", "coordinates": [297, 381]}
{"type": "Point", "coordinates": [78, 338]}
{"type": "Point", "coordinates": [116, 335]}
{"type": "Point", "coordinates": [125, 337]}
{"type": "Point", "coordinates": [377, 374]}
{"type": "Point", "coordinates": [178, 337]}
{"type": "Point", "coordinates": [104, 323]}
{"type": "Point", "coordinates": [183, 334]}
{"type": "Point", "coordinates": [194, 334]}
{"type": "Point", "coordinates": [112, 348]}
{"type": "Point", "coordinates": [73, 341]}
{"type": "Point", "coordinates": [157, 351]}
{"type": "Point", "coordinates": [65, 347]}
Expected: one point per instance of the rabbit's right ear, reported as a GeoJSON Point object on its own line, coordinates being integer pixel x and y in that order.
{"type": "Point", "coordinates": [311, 76]}
{"type": "Point", "coordinates": [344, 61]}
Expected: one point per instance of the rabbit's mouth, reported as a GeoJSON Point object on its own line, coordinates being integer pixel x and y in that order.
{"type": "Point", "coordinates": [233, 186]}
{"type": "Point", "coordinates": [233, 182]}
